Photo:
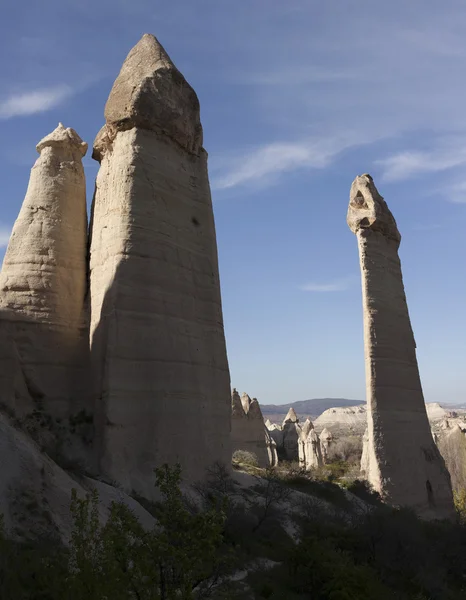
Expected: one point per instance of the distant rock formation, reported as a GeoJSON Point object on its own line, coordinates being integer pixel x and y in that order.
{"type": "Point", "coordinates": [309, 450]}
{"type": "Point", "coordinates": [44, 327]}
{"type": "Point", "coordinates": [157, 338]}
{"type": "Point", "coordinates": [291, 436]}
{"type": "Point", "coordinates": [326, 441]}
{"type": "Point", "coordinates": [249, 432]}
{"type": "Point", "coordinates": [276, 434]}
{"type": "Point", "coordinates": [404, 464]}
{"type": "Point", "coordinates": [305, 429]}
{"type": "Point", "coordinates": [345, 420]}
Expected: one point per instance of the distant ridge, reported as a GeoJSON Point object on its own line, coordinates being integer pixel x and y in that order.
{"type": "Point", "coordinates": [308, 408]}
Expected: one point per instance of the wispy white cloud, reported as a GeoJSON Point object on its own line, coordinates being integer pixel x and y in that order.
{"type": "Point", "coordinates": [339, 285]}
{"type": "Point", "coordinates": [5, 233]}
{"type": "Point", "coordinates": [455, 192]}
{"type": "Point", "coordinates": [264, 165]}
{"type": "Point", "coordinates": [448, 153]}
{"type": "Point", "coordinates": [35, 101]}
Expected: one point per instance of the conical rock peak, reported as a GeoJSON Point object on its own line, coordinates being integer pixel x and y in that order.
{"type": "Point", "coordinates": [150, 93]}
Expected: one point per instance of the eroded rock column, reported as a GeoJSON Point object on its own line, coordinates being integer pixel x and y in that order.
{"type": "Point", "coordinates": [402, 461]}
{"type": "Point", "coordinates": [43, 285]}
{"type": "Point", "coordinates": [248, 430]}
{"type": "Point", "coordinates": [161, 374]}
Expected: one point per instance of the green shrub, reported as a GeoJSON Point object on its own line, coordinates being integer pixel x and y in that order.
{"type": "Point", "coordinates": [242, 457]}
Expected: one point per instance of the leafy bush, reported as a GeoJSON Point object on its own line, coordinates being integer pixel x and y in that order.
{"type": "Point", "coordinates": [242, 457]}
{"type": "Point", "coordinates": [459, 497]}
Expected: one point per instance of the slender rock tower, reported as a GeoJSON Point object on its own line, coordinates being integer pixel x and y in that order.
{"type": "Point", "coordinates": [161, 375]}
{"type": "Point", "coordinates": [43, 284]}
{"type": "Point", "coordinates": [401, 460]}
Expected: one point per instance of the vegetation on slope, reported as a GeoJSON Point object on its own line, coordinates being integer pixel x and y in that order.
{"type": "Point", "coordinates": [236, 542]}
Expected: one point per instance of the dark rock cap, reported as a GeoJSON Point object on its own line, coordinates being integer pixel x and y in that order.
{"type": "Point", "coordinates": [150, 93]}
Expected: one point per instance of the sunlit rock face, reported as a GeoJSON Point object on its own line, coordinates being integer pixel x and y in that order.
{"type": "Point", "coordinates": [160, 370]}
{"type": "Point", "coordinates": [249, 432]}
{"type": "Point", "coordinates": [44, 326]}
{"type": "Point", "coordinates": [401, 459]}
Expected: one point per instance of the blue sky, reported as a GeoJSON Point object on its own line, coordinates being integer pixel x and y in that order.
{"type": "Point", "coordinates": [297, 98]}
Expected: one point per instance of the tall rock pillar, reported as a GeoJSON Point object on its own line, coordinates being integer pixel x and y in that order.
{"type": "Point", "coordinates": [401, 461]}
{"type": "Point", "coordinates": [43, 286]}
{"type": "Point", "coordinates": [161, 374]}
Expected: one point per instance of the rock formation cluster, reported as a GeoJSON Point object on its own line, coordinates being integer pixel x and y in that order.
{"type": "Point", "coordinates": [122, 326]}
{"type": "Point", "coordinates": [296, 442]}
{"type": "Point", "coordinates": [249, 432]}
{"type": "Point", "coordinates": [401, 459]}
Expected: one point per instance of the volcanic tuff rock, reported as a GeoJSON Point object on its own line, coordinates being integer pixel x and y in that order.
{"type": "Point", "coordinates": [343, 420]}
{"type": "Point", "coordinates": [405, 465]}
{"type": "Point", "coordinates": [157, 338]}
{"type": "Point", "coordinates": [291, 436]}
{"type": "Point", "coordinates": [248, 430]}
{"type": "Point", "coordinates": [35, 493]}
{"type": "Point", "coordinates": [312, 450]}
{"type": "Point", "coordinates": [305, 429]}
{"type": "Point", "coordinates": [309, 450]}
{"type": "Point", "coordinates": [43, 286]}
{"type": "Point", "coordinates": [326, 440]}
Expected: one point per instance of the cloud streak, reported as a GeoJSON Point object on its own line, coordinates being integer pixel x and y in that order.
{"type": "Point", "coordinates": [339, 285]}
{"type": "Point", "coordinates": [447, 154]}
{"type": "Point", "coordinates": [264, 165]}
{"type": "Point", "coordinates": [33, 102]}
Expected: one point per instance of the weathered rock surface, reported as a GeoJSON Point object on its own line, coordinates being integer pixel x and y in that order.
{"type": "Point", "coordinates": [313, 454]}
{"type": "Point", "coordinates": [157, 337]}
{"type": "Point", "coordinates": [452, 445]}
{"type": "Point", "coordinates": [43, 286]}
{"type": "Point", "coordinates": [291, 436]}
{"type": "Point", "coordinates": [405, 465]}
{"type": "Point", "coordinates": [305, 429]}
{"type": "Point", "coordinates": [345, 420]}
{"type": "Point", "coordinates": [35, 493]}
{"type": "Point", "coordinates": [326, 441]}
{"type": "Point", "coordinates": [309, 451]}
{"type": "Point", "coordinates": [248, 430]}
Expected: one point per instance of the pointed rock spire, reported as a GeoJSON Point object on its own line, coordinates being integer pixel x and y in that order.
{"type": "Point", "coordinates": [150, 93]}
{"type": "Point", "coordinates": [306, 428]}
{"type": "Point", "coordinates": [291, 417]}
{"type": "Point", "coordinates": [246, 402]}
{"type": "Point", "coordinates": [255, 410]}
{"type": "Point", "coordinates": [237, 409]}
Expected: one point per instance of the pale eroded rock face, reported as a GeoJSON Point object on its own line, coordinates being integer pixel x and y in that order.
{"type": "Point", "coordinates": [291, 435]}
{"type": "Point", "coordinates": [313, 451]}
{"type": "Point", "coordinates": [158, 348]}
{"type": "Point", "coordinates": [343, 420]}
{"type": "Point", "coordinates": [326, 441]}
{"type": "Point", "coordinates": [43, 284]}
{"type": "Point", "coordinates": [404, 464]}
{"type": "Point", "coordinates": [309, 450]}
{"type": "Point", "coordinates": [248, 430]}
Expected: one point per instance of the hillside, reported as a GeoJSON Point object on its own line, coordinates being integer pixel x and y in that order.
{"type": "Point", "coordinates": [306, 408]}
